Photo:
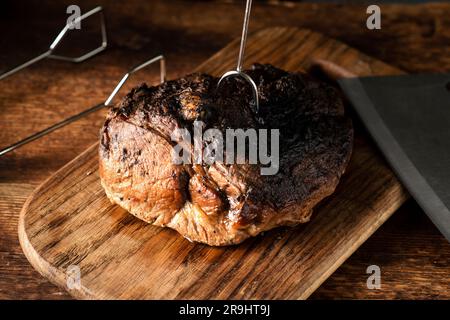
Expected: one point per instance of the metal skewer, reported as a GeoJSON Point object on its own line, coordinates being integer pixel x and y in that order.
{"type": "Point", "coordinates": [238, 72]}
{"type": "Point", "coordinates": [59, 37]}
{"type": "Point", "coordinates": [92, 109]}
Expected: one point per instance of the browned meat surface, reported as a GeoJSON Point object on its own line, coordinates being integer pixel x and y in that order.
{"type": "Point", "coordinates": [222, 204]}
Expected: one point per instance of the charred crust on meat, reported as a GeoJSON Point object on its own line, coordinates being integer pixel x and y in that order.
{"type": "Point", "coordinates": [225, 204]}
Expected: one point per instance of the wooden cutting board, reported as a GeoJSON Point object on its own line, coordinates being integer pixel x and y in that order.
{"type": "Point", "coordinates": [68, 221]}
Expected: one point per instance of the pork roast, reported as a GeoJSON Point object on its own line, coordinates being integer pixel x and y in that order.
{"type": "Point", "coordinates": [221, 203]}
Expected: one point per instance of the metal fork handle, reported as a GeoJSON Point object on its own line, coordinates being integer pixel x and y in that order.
{"type": "Point", "coordinates": [58, 39]}
{"type": "Point", "coordinates": [248, 8]}
{"type": "Point", "coordinates": [238, 72]}
{"type": "Point", "coordinates": [80, 115]}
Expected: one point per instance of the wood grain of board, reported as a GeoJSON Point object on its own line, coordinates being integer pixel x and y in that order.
{"type": "Point", "coordinates": [69, 221]}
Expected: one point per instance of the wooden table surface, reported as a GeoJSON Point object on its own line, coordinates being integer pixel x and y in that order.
{"type": "Point", "coordinates": [414, 258]}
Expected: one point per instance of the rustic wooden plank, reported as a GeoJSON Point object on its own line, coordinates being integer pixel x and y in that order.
{"type": "Point", "coordinates": [16, 274]}
{"type": "Point", "coordinates": [413, 257]}
{"type": "Point", "coordinates": [413, 36]}
{"type": "Point", "coordinates": [69, 221]}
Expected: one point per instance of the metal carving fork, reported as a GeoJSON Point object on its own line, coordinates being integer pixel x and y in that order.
{"type": "Point", "coordinates": [49, 53]}
{"type": "Point", "coordinates": [106, 103]}
{"type": "Point", "coordinates": [238, 72]}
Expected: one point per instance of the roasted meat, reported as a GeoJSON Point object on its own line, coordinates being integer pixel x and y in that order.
{"type": "Point", "coordinates": [224, 203]}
